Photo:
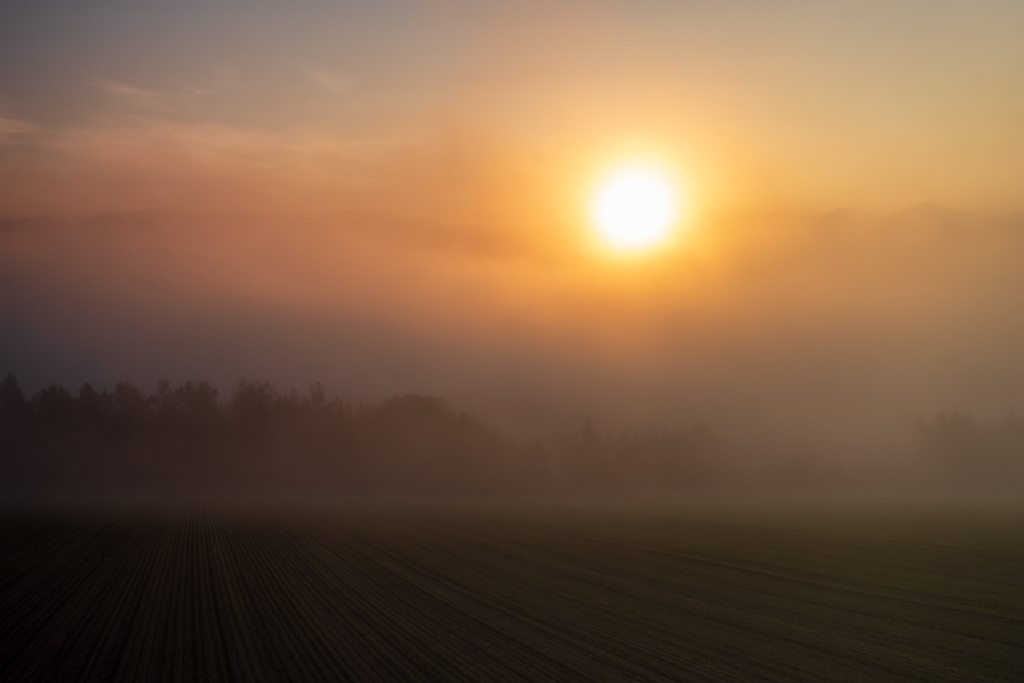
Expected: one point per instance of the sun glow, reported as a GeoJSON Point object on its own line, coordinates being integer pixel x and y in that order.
{"type": "Point", "coordinates": [635, 207]}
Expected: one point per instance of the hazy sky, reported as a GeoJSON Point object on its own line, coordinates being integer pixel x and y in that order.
{"type": "Point", "coordinates": [504, 111]}
{"type": "Point", "coordinates": [413, 178]}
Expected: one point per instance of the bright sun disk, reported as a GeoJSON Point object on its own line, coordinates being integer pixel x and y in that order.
{"type": "Point", "coordinates": [635, 208]}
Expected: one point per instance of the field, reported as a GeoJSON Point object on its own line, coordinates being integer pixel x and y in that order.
{"type": "Point", "coordinates": [503, 591]}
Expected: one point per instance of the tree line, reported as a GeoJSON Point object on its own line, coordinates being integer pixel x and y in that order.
{"type": "Point", "coordinates": [188, 438]}
{"type": "Point", "coordinates": [191, 439]}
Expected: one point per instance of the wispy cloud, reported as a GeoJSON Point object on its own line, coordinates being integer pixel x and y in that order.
{"type": "Point", "coordinates": [329, 81]}
{"type": "Point", "coordinates": [151, 142]}
{"type": "Point", "coordinates": [12, 129]}
{"type": "Point", "coordinates": [154, 101]}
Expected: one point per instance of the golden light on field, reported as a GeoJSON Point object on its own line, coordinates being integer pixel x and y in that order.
{"type": "Point", "coordinates": [635, 207]}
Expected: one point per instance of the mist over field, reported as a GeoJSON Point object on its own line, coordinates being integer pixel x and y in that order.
{"type": "Point", "coordinates": [398, 201]}
{"type": "Point", "coordinates": [430, 340]}
{"type": "Point", "coordinates": [843, 350]}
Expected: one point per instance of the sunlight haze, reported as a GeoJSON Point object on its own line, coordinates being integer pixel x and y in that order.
{"type": "Point", "coordinates": [541, 340]}
{"type": "Point", "coordinates": [488, 113]}
{"type": "Point", "coordinates": [428, 197]}
{"type": "Point", "coordinates": [635, 207]}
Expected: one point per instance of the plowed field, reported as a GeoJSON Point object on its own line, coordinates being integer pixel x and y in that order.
{"type": "Point", "coordinates": [506, 592]}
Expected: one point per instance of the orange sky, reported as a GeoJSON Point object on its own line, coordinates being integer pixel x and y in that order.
{"type": "Point", "coordinates": [501, 113]}
{"type": "Point", "coordinates": [394, 197]}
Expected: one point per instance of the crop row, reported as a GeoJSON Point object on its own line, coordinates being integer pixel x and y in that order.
{"type": "Point", "coordinates": [390, 592]}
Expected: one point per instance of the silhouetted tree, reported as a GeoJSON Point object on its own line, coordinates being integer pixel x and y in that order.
{"type": "Point", "coordinates": [54, 408]}
{"type": "Point", "coordinates": [130, 408]}
{"type": "Point", "coordinates": [253, 403]}
{"type": "Point", "coordinates": [93, 409]}
{"type": "Point", "coordinates": [15, 410]}
{"type": "Point", "coordinates": [183, 438]}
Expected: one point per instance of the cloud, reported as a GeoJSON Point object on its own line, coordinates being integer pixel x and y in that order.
{"type": "Point", "coordinates": [11, 129]}
{"type": "Point", "coordinates": [152, 160]}
{"type": "Point", "coordinates": [156, 142]}
{"type": "Point", "coordinates": [154, 101]}
{"type": "Point", "coordinates": [329, 81]}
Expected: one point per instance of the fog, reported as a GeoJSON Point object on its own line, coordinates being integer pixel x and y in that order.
{"type": "Point", "coordinates": [790, 336]}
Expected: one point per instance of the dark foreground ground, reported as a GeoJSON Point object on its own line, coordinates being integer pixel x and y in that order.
{"type": "Point", "coordinates": [546, 591]}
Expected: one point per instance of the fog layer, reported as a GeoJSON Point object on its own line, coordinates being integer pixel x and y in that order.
{"type": "Point", "coordinates": [793, 334]}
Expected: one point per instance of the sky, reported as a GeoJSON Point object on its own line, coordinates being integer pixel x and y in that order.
{"type": "Point", "coordinates": [504, 111]}
{"type": "Point", "coordinates": [393, 197]}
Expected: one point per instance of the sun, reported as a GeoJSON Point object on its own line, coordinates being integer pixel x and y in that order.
{"type": "Point", "coordinates": [635, 207]}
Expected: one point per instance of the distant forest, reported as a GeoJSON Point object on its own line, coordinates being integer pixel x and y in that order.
{"type": "Point", "coordinates": [186, 439]}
